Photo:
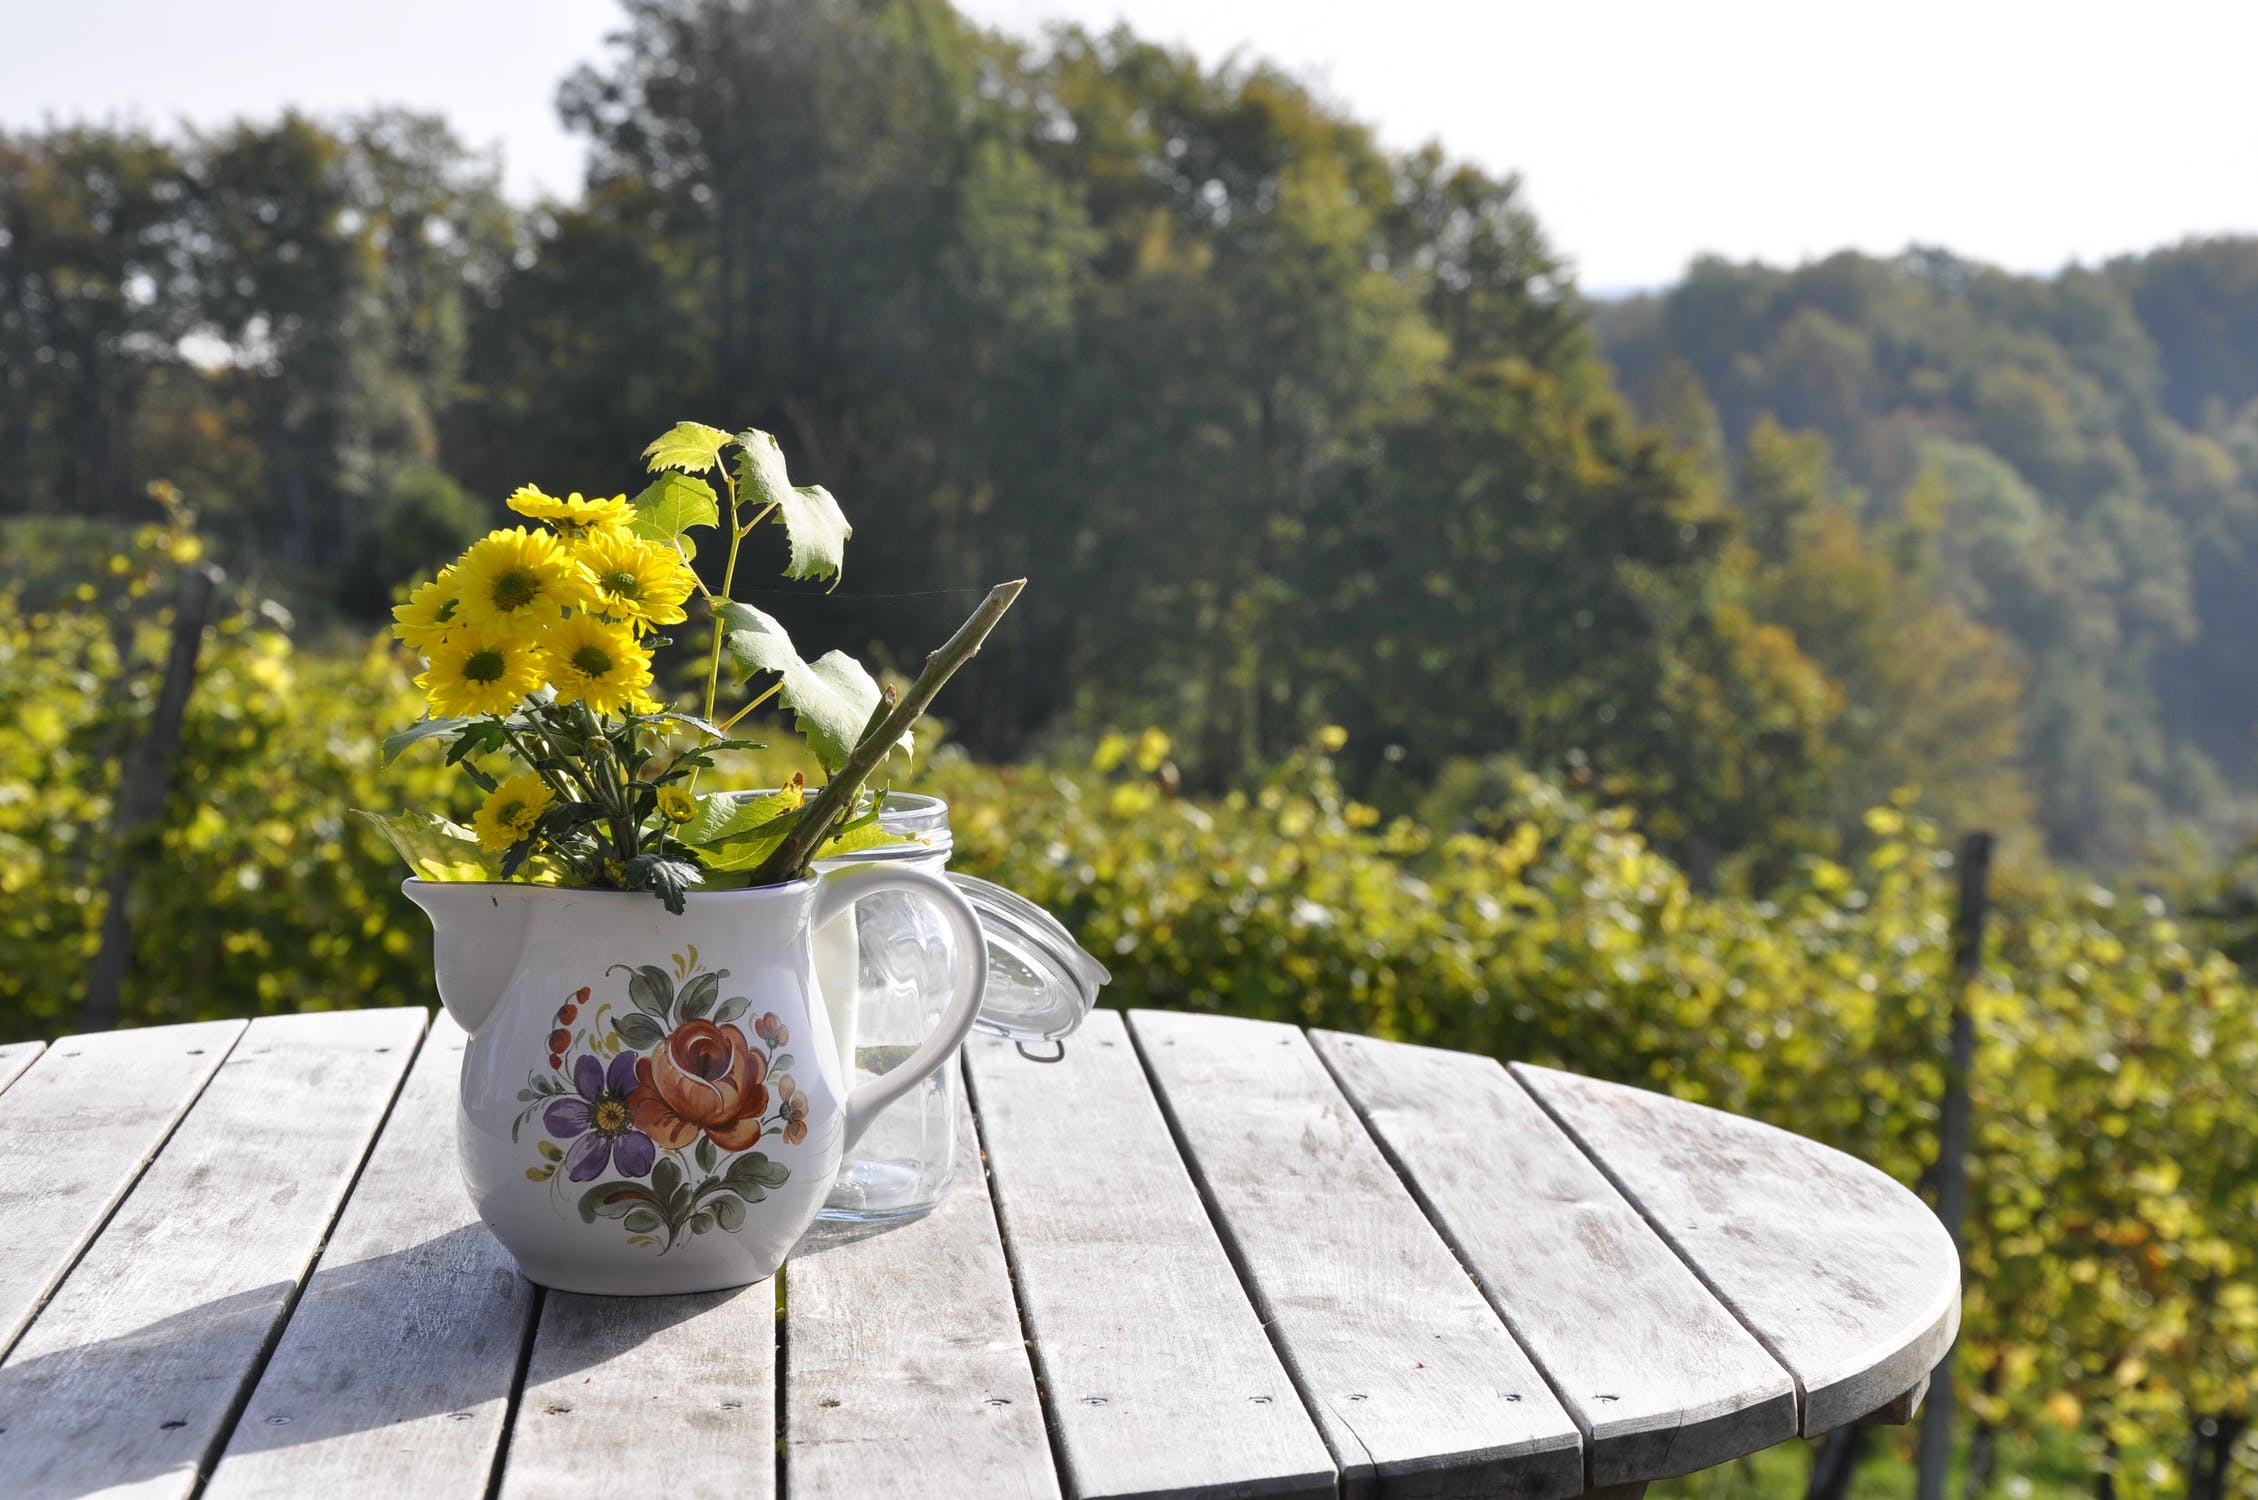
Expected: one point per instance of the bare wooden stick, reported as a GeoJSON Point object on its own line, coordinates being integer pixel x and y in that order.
{"type": "Point", "coordinates": [837, 798]}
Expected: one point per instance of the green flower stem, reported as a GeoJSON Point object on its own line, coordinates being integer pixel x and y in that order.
{"type": "Point", "coordinates": [731, 722]}
{"type": "Point", "coordinates": [728, 578]}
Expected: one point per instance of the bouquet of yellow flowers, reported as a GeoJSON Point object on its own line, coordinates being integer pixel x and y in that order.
{"type": "Point", "coordinates": [537, 645]}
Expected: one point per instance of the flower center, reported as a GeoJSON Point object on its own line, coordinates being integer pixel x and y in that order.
{"type": "Point", "coordinates": [515, 589]}
{"type": "Point", "coordinates": [625, 584]}
{"type": "Point", "coordinates": [609, 1115]}
{"type": "Point", "coordinates": [509, 813]}
{"type": "Point", "coordinates": [484, 665]}
{"type": "Point", "coordinates": [592, 661]}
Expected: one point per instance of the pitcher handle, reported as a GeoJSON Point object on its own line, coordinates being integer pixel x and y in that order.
{"type": "Point", "coordinates": [840, 890]}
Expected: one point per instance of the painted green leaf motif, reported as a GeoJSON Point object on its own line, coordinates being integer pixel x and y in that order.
{"type": "Point", "coordinates": [831, 698]}
{"type": "Point", "coordinates": [434, 847]}
{"type": "Point", "coordinates": [671, 505]}
{"type": "Point", "coordinates": [698, 996]}
{"type": "Point", "coordinates": [707, 1154]}
{"type": "Point", "coordinates": [700, 1222]}
{"type": "Point", "coordinates": [641, 1220]}
{"type": "Point", "coordinates": [780, 1063]}
{"type": "Point", "coordinates": [415, 733]}
{"type": "Point", "coordinates": [613, 1200]}
{"type": "Point", "coordinates": [687, 445]}
{"type": "Point", "coordinates": [731, 1009]}
{"type": "Point", "coordinates": [652, 991]}
{"type": "Point", "coordinates": [728, 1212]}
{"type": "Point", "coordinates": [638, 1032]}
{"type": "Point", "coordinates": [755, 1169]}
{"type": "Point", "coordinates": [666, 1177]}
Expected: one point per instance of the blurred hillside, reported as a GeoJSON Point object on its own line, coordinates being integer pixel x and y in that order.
{"type": "Point", "coordinates": [1289, 429]}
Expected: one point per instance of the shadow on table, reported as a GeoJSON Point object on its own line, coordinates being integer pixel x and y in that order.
{"type": "Point", "coordinates": [435, 1330]}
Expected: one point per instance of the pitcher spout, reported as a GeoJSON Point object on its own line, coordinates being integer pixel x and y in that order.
{"type": "Point", "coordinates": [479, 932]}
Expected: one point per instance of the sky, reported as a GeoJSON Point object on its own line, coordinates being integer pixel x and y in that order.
{"type": "Point", "coordinates": [2027, 135]}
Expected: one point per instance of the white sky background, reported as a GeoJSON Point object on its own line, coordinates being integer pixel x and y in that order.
{"type": "Point", "coordinates": [1646, 131]}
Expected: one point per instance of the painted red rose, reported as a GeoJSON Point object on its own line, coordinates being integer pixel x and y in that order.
{"type": "Point", "coordinates": [703, 1078]}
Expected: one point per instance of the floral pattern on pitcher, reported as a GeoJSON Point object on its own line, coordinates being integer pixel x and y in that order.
{"type": "Point", "coordinates": [659, 1105]}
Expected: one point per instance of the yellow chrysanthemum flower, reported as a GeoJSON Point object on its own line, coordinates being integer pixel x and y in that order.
{"type": "Point", "coordinates": [595, 662]}
{"type": "Point", "coordinates": [429, 615]}
{"type": "Point", "coordinates": [637, 581]}
{"type": "Point", "coordinates": [475, 672]}
{"type": "Point", "coordinates": [677, 805]}
{"type": "Point", "coordinates": [510, 811]}
{"type": "Point", "coordinates": [575, 519]}
{"type": "Point", "coordinates": [516, 583]}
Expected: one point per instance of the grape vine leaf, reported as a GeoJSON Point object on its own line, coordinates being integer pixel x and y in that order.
{"type": "Point", "coordinates": [687, 445]}
{"type": "Point", "coordinates": [831, 698]}
{"type": "Point", "coordinates": [671, 505]}
{"type": "Point", "coordinates": [813, 523]}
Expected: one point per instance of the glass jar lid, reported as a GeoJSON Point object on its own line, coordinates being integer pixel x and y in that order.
{"type": "Point", "coordinates": [1040, 983]}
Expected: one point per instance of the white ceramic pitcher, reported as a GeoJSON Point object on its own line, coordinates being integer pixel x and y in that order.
{"type": "Point", "coordinates": [651, 1102]}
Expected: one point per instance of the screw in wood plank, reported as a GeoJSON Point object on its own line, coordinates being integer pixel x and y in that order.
{"type": "Point", "coordinates": [1512, 1396]}
{"type": "Point", "coordinates": [1093, 1400]}
{"type": "Point", "coordinates": [1360, 1398]}
{"type": "Point", "coordinates": [732, 1406]}
{"type": "Point", "coordinates": [278, 1421]}
{"type": "Point", "coordinates": [997, 1401]}
{"type": "Point", "coordinates": [459, 1416]}
{"type": "Point", "coordinates": [559, 1411]}
{"type": "Point", "coordinates": [1607, 1398]}
{"type": "Point", "coordinates": [175, 1422]}
{"type": "Point", "coordinates": [1261, 1400]}
{"type": "Point", "coordinates": [828, 1402]}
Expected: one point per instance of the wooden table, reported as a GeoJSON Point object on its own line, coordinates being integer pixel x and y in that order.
{"type": "Point", "coordinates": [1209, 1256]}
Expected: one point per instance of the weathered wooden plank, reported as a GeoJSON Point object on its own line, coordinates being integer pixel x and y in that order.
{"type": "Point", "coordinates": [124, 1383]}
{"type": "Point", "coordinates": [682, 1387]}
{"type": "Point", "coordinates": [1659, 1375]}
{"type": "Point", "coordinates": [1846, 1276]}
{"type": "Point", "coordinates": [1159, 1375]}
{"type": "Point", "coordinates": [903, 1356]}
{"type": "Point", "coordinates": [15, 1057]}
{"type": "Point", "coordinates": [1416, 1385]}
{"type": "Point", "coordinates": [395, 1372]}
{"type": "Point", "coordinates": [76, 1128]}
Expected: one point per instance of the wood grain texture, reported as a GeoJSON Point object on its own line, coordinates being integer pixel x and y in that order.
{"type": "Point", "coordinates": [1159, 1375]}
{"type": "Point", "coordinates": [1416, 1385]}
{"type": "Point", "coordinates": [124, 1383]}
{"type": "Point", "coordinates": [682, 1387]}
{"type": "Point", "coordinates": [1847, 1276]}
{"type": "Point", "coordinates": [15, 1057]}
{"type": "Point", "coordinates": [1660, 1376]}
{"type": "Point", "coordinates": [903, 1356]}
{"type": "Point", "coordinates": [411, 1275]}
{"type": "Point", "coordinates": [77, 1127]}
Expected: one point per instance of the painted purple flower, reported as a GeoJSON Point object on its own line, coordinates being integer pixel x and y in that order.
{"type": "Point", "coordinates": [598, 1124]}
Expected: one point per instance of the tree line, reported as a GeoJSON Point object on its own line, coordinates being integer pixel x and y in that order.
{"type": "Point", "coordinates": [1288, 428]}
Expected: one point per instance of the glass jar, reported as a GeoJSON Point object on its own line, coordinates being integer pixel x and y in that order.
{"type": "Point", "coordinates": [884, 970]}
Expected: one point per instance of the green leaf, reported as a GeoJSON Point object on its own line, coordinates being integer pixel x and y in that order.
{"type": "Point", "coordinates": [818, 531]}
{"type": "Point", "coordinates": [422, 730]}
{"type": "Point", "coordinates": [698, 996]}
{"type": "Point", "coordinates": [434, 847]}
{"type": "Point", "coordinates": [732, 1008]}
{"type": "Point", "coordinates": [831, 698]}
{"type": "Point", "coordinates": [813, 522]}
{"type": "Point", "coordinates": [665, 1178]}
{"type": "Point", "coordinates": [707, 1153]}
{"type": "Point", "coordinates": [686, 445]}
{"type": "Point", "coordinates": [728, 1212]}
{"type": "Point", "coordinates": [671, 505]}
{"type": "Point", "coordinates": [781, 1063]}
{"type": "Point", "coordinates": [724, 816]}
{"type": "Point", "coordinates": [638, 1032]}
{"type": "Point", "coordinates": [701, 1221]}
{"type": "Point", "coordinates": [640, 1220]}
{"type": "Point", "coordinates": [859, 836]}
